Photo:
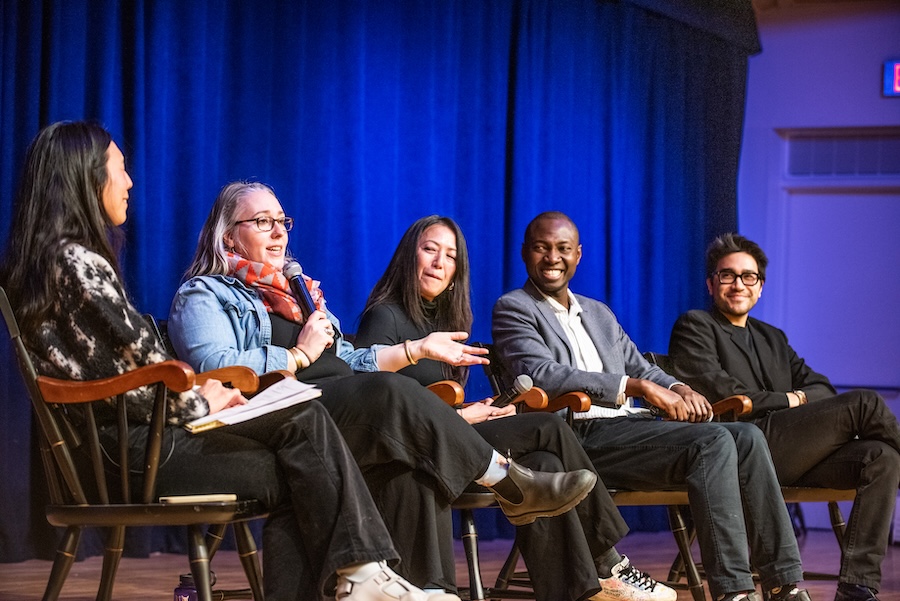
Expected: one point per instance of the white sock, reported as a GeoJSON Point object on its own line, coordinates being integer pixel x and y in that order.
{"type": "Point", "coordinates": [496, 471]}
{"type": "Point", "coordinates": [360, 572]}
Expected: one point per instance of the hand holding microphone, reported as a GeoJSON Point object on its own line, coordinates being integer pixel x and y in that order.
{"type": "Point", "coordinates": [317, 333]}
{"type": "Point", "coordinates": [294, 273]}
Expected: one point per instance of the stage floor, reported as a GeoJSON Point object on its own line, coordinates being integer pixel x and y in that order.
{"type": "Point", "coordinates": [156, 577]}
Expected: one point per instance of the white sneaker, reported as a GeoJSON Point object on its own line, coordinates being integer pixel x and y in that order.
{"type": "Point", "coordinates": [385, 585]}
{"type": "Point", "coordinates": [628, 583]}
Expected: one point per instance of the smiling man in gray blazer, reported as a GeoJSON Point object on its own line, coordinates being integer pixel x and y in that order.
{"type": "Point", "coordinates": [568, 342]}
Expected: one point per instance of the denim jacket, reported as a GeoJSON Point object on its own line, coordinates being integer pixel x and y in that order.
{"type": "Point", "coordinates": [217, 321]}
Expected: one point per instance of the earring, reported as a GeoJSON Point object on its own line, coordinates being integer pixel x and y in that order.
{"type": "Point", "coordinates": [452, 284]}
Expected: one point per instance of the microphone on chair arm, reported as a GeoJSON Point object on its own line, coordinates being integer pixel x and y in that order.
{"type": "Point", "coordinates": [294, 273]}
{"type": "Point", "coordinates": [520, 386]}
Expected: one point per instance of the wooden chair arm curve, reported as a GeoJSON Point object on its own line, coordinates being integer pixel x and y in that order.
{"type": "Point", "coordinates": [448, 391]}
{"type": "Point", "coordinates": [270, 377]}
{"type": "Point", "coordinates": [535, 399]}
{"type": "Point", "coordinates": [176, 375]}
{"type": "Point", "coordinates": [240, 377]}
{"type": "Point", "coordinates": [739, 403]}
{"type": "Point", "coordinates": [576, 401]}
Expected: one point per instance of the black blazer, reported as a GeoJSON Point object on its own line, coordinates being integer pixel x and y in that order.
{"type": "Point", "coordinates": [716, 363]}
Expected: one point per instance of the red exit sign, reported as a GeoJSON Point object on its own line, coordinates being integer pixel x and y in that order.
{"type": "Point", "coordinates": [892, 78]}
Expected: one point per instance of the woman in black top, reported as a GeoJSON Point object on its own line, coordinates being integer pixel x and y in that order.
{"type": "Point", "coordinates": [425, 288]}
{"type": "Point", "coordinates": [62, 277]}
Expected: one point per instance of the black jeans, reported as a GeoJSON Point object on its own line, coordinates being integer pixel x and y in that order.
{"type": "Point", "coordinates": [733, 491]}
{"type": "Point", "coordinates": [295, 462]}
{"type": "Point", "coordinates": [851, 440]}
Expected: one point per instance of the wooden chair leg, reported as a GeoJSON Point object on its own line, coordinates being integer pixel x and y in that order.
{"type": "Point", "coordinates": [507, 572]}
{"type": "Point", "coordinates": [682, 539]}
{"type": "Point", "coordinates": [199, 557]}
{"type": "Point", "coordinates": [214, 537]}
{"type": "Point", "coordinates": [470, 544]}
{"type": "Point", "coordinates": [65, 556]}
{"type": "Point", "coordinates": [112, 554]}
{"type": "Point", "coordinates": [249, 558]}
{"type": "Point", "coordinates": [838, 525]}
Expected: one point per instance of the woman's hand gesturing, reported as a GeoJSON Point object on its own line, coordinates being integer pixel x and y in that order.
{"type": "Point", "coordinates": [443, 346]}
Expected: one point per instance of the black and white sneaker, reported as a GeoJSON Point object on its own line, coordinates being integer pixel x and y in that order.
{"type": "Point", "coordinates": [628, 583]}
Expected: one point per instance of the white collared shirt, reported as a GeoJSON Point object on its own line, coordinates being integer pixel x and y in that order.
{"type": "Point", "coordinates": [587, 358]}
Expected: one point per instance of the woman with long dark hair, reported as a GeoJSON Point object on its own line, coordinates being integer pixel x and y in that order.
{"type": "Point", "coordinates": [324, 536]}
{"type": "Point", "coordinates": [237, 308]}
{"type": "Point", "coordinates": [426, 288]}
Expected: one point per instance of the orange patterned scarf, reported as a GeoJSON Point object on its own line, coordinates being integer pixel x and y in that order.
{"type": "Point", "coordinates": [274, 289]}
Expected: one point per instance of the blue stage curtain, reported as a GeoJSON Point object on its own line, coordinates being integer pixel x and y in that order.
{"type": "Point", "coordinates": [367, 115]}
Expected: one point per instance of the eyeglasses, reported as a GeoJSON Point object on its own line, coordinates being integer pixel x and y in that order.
{"type": "Point", "coordinates": [266, 224]}
{"type": "Point", "coordinates": [748, 278]}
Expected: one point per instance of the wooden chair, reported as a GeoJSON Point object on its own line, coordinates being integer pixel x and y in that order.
{"type": "Point", "coordinates": [792, 494]}
{"type": "Point", "coordinates": [674, 501]}
{"type": "Point", "coordinates": [87, 490]}
{"type": "Point", "coordinates": [161, 329]}
{"type": "Point", "coordinates": [479, 497]}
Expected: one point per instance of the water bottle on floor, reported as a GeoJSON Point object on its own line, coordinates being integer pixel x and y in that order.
{"type": "Point", "coordinates": [185, 591]}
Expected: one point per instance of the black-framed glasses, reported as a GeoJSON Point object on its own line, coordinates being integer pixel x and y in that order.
{"type": "Point", "coordinates": [748, 278]}
{"type": "Point", "coordinates": [266, 224]}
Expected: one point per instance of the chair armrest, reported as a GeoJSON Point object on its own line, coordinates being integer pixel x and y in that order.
{"type": "Point", "coordinates": [576, 401]}
{"type": "Point", "coordinates": [448, 391]}
{"type": "Point", "coordinates": [240, 377]}
{"type": "Point", "coordinates": [738, 403]}
{"type": "Point", "coordinates": [176, 375]}
{"type": "Point", "coordinates": [270, 377]}
{"type": "Point", "coordinates": [534, 400]}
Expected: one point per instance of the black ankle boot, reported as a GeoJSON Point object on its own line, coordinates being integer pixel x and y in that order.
{"type": "Point", "coordinates": [525, 495]}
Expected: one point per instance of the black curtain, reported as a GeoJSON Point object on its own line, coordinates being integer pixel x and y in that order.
{"type": "Point", "coordinates": [367, 115]}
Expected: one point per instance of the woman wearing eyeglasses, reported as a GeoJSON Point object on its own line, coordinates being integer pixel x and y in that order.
{"type": "Point", "coordinates": [324, 535]}
{"type": "Point", "coordinates": [237, 308]}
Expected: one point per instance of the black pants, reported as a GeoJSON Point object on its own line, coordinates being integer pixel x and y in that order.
{"type": "Point", "coordinates": [296, 463]}
{"type": "Point", "coordinates": [851, 440]}
{"type": "Point", "coordinates": [416, 456]}
{"type": "Point", "coordinates": [732, 487]}
{"type": "Point", "coordinates": [559, 552]}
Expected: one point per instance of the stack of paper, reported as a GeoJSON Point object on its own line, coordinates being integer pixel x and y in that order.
{"type": "Point", "coordinates": [277, 396]}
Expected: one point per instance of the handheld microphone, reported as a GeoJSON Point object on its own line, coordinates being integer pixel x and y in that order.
{"type": "Point", "coordinates": [520, 386]}
{"type": "Point", "coordinates": [294, 273]}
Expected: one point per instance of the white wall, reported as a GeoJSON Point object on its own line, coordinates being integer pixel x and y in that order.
{"type": "Point", "coordinates": [834, 275]}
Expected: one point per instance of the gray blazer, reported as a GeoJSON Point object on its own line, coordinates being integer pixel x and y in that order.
{"type": "Point", "coordinates": [529, 340]}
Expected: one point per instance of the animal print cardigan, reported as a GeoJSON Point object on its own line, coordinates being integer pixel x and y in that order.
{"type": "Point", "coordinates": [95, 332]}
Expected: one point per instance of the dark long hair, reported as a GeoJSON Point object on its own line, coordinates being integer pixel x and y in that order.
{"type": "Point", "coordinates": [399, 285]}
{"type": "Point", "coordinates": [59, 201]}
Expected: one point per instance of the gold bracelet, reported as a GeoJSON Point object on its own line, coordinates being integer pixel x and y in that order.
{"type": "Point", "coordinates": [409, 356]}
{"type": "Point", "coordinates": [306, 358]}
{"type": "Point", "coordinates": [299, 357]}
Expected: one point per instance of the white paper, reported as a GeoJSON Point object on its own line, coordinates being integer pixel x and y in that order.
{"type": "Point", "coordinates": [282, 394]}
